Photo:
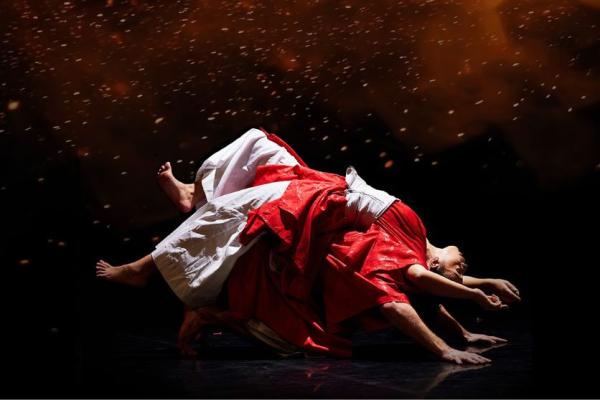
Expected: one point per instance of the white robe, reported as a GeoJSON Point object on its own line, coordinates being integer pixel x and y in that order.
{"type": "Point", "coordinates": [233, 168]}
{"type": "Point", "coordinates": [197, 257]}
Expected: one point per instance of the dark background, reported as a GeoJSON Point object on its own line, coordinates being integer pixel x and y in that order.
{"type": "Point", "coordinates": [483, 116]}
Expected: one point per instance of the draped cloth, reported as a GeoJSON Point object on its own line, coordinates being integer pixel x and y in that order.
{"type": "Point", "coordinates": [312, 274]}
{"type": "Point", "coordinates": [305, 253]}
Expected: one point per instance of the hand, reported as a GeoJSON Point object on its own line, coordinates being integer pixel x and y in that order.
{"type": "Point", "coordinates": [507, 292]}
{"type": "Point", "coordinates": [488, 302]}
{"type": "Point", "coordinates": [483, 339]}
{"type": "Point", "coordinates": [463, 357]}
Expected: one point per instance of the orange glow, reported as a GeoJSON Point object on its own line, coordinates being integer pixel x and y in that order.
{"type": "Point", "coordinates": [120, 88]}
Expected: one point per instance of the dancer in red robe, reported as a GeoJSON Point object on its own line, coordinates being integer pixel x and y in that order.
{"type": "Point", "coordinates": [331, 254]}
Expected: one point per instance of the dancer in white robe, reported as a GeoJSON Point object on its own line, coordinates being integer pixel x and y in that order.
{"type": "Point", "coordinates": [197, 257]}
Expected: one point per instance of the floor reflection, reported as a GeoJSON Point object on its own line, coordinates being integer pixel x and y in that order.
{"type": "Point", "coordinates": [148, 364]}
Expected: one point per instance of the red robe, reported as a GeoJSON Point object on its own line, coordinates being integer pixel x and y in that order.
{"type": "Point", "coordinates": [311, 276]}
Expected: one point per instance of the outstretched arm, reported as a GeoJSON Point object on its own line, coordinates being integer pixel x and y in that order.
{"type": "Point", "coordinates": [447, 322]}
{"type": "Point", "coordinates": [404, 317]}
{"type": "Point", "coordinates": [473, 282]}
{"type": "Point", "coordinates": [437, 285]}
{"type": "Point", "coordinates": [507, 292]}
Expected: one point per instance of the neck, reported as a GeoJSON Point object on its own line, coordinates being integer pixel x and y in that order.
{"type": "Point", "coordinates": [432, 251]}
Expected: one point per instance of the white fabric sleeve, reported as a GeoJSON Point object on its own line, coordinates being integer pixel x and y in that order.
{"type": "Point", "coordinates": [234, 167]}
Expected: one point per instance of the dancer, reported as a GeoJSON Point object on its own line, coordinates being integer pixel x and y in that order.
{"type": "Point", "coordinates": [198, 257]}
{"type": "Point", "coordinates": [234, 167]}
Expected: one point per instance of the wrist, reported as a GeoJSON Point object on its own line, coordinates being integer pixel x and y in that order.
{"type": "Point", "coordinates": [441, 350]}
{"type": "Point", "coordinates": [474, 294]}
{"type": "Point", "coordinates": [466, 335]}
{"type": "Point", "coordinates": [485, 283]}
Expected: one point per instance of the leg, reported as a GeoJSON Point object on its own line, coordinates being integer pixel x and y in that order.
{"type": "Point", "coordinates": [194, 320]}
{"type": "Point", "coordinates": [135, 274]}
{"type": "Point", "coordinates": [197, 192]}
{"type": "Point", "coordinates": [181, 194]}
{"type": "Point", "coordinates": [191, 328]}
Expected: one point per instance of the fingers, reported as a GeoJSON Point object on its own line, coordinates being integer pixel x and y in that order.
{"type": "Point", "coordinates": [486, 339]}
{"type": "Point", "coordinates": [464, 357]}
{"type": "Point", "coordinates": [492, 339]}
{"type": "Point", "coordinates": [166, 166]}
{"type": "Point", "coordinates": [509, 291]}
{"type": "Point", "coordinates": [494, 303]}
{"type": "Point", "coordinates": [472, 358]}
{"type": "Point", "coordinates": [479, 359]}
{"type": "Point", "coordinates": [482, 360]}
{"type": "Point", "coordinates": [102, 268]}
{"type": "Point", "coordinates": [512, 287]}
{"type": "Point", "coordinates": [510, 296]}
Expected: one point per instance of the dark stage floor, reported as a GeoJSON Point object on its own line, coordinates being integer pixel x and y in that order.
{"type": "Point", "coordinates": [384, 365]}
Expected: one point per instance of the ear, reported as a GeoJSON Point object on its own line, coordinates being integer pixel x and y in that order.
{"type": "Point", "coordinates": [434, 264]}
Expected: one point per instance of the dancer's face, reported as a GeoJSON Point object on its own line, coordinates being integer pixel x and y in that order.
{"type": "Point", "coordinates": [451, 264]}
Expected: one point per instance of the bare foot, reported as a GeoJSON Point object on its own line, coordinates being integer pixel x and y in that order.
{"type": "Point", "coordinates": [194, 321]}
{"type": "Point", "coordinates": [179, 193]}
{"type": "Point", "coordinates": [121, 274]}
{"type": "Point", "coordinates": [191, 328]}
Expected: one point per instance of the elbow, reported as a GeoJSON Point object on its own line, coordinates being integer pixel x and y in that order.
{"type": "Point", "coordinates": [415, 273]}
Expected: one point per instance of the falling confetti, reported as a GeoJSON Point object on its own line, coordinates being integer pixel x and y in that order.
{"type": "Point", "coordinates": [13, 105]}
{"type": "Point", "coordinates": [122, 84]}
